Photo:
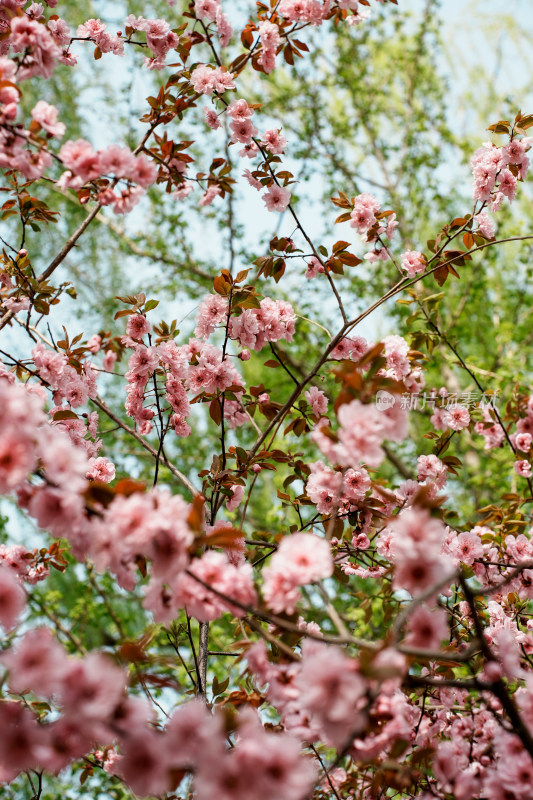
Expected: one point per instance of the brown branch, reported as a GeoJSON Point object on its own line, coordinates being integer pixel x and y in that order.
{"type": "Point", "coordinates": [203, 653]}
{"type": "Point", "coordinates": [498, 687]}
{"type": "Point", "coordinates": [147, 446]}
{"type": "Point", "coordinates": [69, 244]}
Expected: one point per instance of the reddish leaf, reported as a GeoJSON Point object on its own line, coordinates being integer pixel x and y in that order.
{"type": "Point", "coordinates": [64, 414]}
{"type": "Point", "coordinates": [196, 514]}
{"type": "Point", "coordinates": [129, 486]}
{"type": "Point", "coordinates": [344, 217]}
{"type": "Point", "coordinates": [215, 411]}
{"type": "Point", "coordinates": [221, 286]}
{"type": "Point", "coordinates": [338, 246]}
{"type": "Point", "coordinates": [441, 275]}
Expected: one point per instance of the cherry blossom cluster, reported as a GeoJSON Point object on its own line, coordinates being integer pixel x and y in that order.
{"type": "Point", "coordinates": [95, 30]}
{"type": "Point", "coordinates": [151, 526]}
{"type": "Point", "coordinates": [85, 165]}
{"type": "Point", "coordinates": [521, 438]}
{"type": "Point", "coordinates": [211, 10]}
{"type": "Point", "coordinates": [312, 11]}
{"type": "Point", "coordinates": [270, 41]}
{"type": "Point", "coordinates": [496, 170]}
{"type": "Point", "coordinates": [196, 367]}
{"type": "Point", "coordinates": [14, 154]}
{"type": "Point", "coordinates": [200, 367]}
{"type": "Point", "coordinates": [414, 543]}
{"type": "Point", "coordinates": [490, 429]}
{"type": "Point", "coordinates": [206, 80]}
{"type": "Point", "coordinates": [300, 559]}
{"type": "Point", "coordinates": [23, 563]}
{"type": "Point", "coordinates": [276, 197]}
{"type": "Point", "coordinates": [159, 38]}
{"type": "Point", "coordinates": [96, 712]}
{"type": "Point", "coordinates": [40, 51]}
{"type": "Point", "coordinates": [475, 756]}
{"type": "Point", "coordinates": [363, 427]}
{"type": "Point", "coordinates": [37, 44]}
{"type": "Point", "coordinates": [272, 321]}
{"type": "Point", "coordinates": [372, 224]}
{"type": "Point", "coordinates": [29, 442]}
{"type": "Point", "coordinates": [242, 128]}
{"type": "Point", "coordinates": [326, 697]}
{"type": "Point", "coordinates": [453, 417]}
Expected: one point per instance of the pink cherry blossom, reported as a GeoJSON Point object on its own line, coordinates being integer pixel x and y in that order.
{"type": "Point", "coordinates": [206, 9]}
{"type": "Point", "coordinates": [252, 180]}
{"type": "Point", "coordinates": [413, 262]}
{"type": "Point", "coordinates": [332, 693]}
{"type": "Point", "coordinates": [30, 34]}
{"type": "Point", "coordinates": [318, 400]}
{"type": "Point", "coordinates": [301, 558]}
{"type": "Point", "coordinates": [356, 483]}
{"type": "Point", "coordinates": [239, 109]}
{"type": "Point", "coordinates": [224, 28]}
{"type": "Point", "coordinates": [324, 488]}
{"type": "Point", "coordinates": [143, 764]}
{"type": "Point", "coordinates": [137, 326]}
{"type": "Point", "coordinates": [203, 80]}
{"type": "Point", "coordinates": [12, 599]}
{"type": "Point", "coordinates": [415, 547]}
{"type": "Point", "coordinates": [101, 469]}
{"type": "Point", "coordinates": [467, 547]}
{"type": "Point", "coordinates": [361, 432]}
{"type": "Point", "coordinates": [276, 198]}
{"type": "Point", "coordinates": [314, 267]}
{"type": "Point", "coordinates": [236, 499]}
{"type": "Point", "coordinates": [426, 628]}
{"type": "Point", "coordinates": [209, 195]}
{"type": "Point", "coordinates": [270, 40]}
{"type": "Point", "coordinates": [523, 468]}
{"type": "Point", "coordinates": [485, 224]}
{"type": "Point", "coordinates": [507, 184]}
{"type": "Point", "coordinates": [363, 215]}
{"type": "Point", "coordinates": [38, 662]}
{"type": "Point", "coordinates": [274, 141]}
{"type": "Point", "coordinates": [457, 417]}
{"type": "Point", "coordinates": [211, 116]}
{"type": "Point", "coordinates": [243, 130]}
{"type": "Point", "coordinates": [46, 115]}
{"type": "Point", "coordinates": [523, 442]}
{"type": "Point", "coordinates": [80, 158]}
{"type": "Point", "coordinates": [216, 571]}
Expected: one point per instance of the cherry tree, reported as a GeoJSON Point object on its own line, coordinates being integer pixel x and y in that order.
{"type": "Point", "coordinates": [309, 610]}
